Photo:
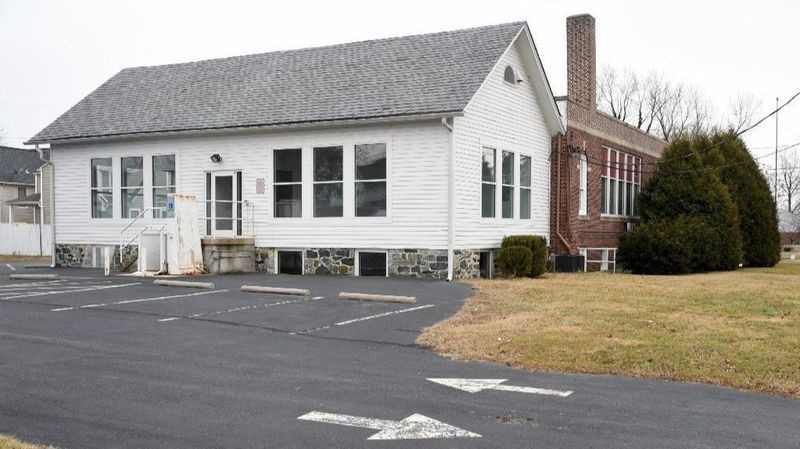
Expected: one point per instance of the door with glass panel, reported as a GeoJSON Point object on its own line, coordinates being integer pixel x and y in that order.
{"type": "Point", "coordinates": [223, 216]}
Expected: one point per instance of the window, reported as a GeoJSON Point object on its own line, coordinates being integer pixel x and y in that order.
{"type": "Point", "coordinates": [370, 180]}
{"type": "Point", "coordinates": [488, 183]}
{"type": "Point", "coordinates": [508, 185]}
{"type": "Point", "coordinates": [620, 184]}
{"type": "Point", "coordinates": [163, 185]}
{"type": "Point", "coordinates": [510, 75]}
{"type": "Point", "coordinates": [22, 192]}
{"type": "Point", "coordinates": [525, 187]}
{"type": "Point", "coordinates": [288, 183]}
{"type": "Point", "coordinates": [290, 262]}
{"type": "Point", "coordinates": [371, 264]}
{"type": "Point", "coordinates": [132, 193]}
{"type": "Point", "coordinates": [102, 193]}
{"type": "Point", "coordinates": [583, 183]}
{"type": "Point", "coordinates": [328, 185]}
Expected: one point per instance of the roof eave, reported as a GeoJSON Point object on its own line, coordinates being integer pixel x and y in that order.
{"type": "Point", "coordinates": [294, 125]}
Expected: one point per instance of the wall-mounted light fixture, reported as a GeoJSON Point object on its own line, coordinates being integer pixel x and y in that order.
{"type": "Point", "coordinates": [216, 158]}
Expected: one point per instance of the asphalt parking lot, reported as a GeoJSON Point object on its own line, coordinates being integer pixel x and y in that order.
{"type": "Point", "coordinates": [95, 362]}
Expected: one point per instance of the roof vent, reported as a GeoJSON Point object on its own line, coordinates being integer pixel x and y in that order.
{"type": "Point", "coordinates": [510, 76]}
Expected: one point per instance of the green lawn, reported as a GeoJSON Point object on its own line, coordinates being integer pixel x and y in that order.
{"type": "Point", "coordinates": [740, 329]}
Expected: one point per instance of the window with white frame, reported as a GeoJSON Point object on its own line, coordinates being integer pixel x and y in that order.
{"type": "Point", "coordinates": [488, 183]}
{"type": "Point", "coordinates": [131, 188]}
{"type": "Point", "coordinates": [102, 189]}
{"type": "Point", "coordinates": [583, 182]}
{"type": "Point", "coordinates": [288, 183]}
{"type": "Point", "coordinates": [370, 180]}
{"type": "Point", "coordinates": [163, 184]}
{"type": "Point", "coordinates": [524, 187]}
{"type": "Point", "coordinates": [507, 199]}
{"type": "Point", "coordinates": [620, 183]}
{"type": "Point", "coordinates": [328, 181]}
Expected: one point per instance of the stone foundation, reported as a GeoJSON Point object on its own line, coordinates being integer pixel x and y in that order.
{"type": "Point", "coordinates": [265, 260]}
{"type": "Point", "coordinates": [420, 263]}
{"type": "Point", "coordinates": [72, 255]}
{"type": "Point", "coordinates": [466, 264]}
{"type": "Point", "coordinates": [79, 255]}
{"type": "Point", "coordinates": [410, 262]}
{"type": "Point", "coordinates": [329, 261]}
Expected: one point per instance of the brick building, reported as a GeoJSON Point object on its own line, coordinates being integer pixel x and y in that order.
{"type": "Point", "coordinates": [598, 166]}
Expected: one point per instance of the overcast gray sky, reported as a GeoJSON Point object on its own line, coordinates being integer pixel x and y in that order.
{"type": "Point", "coordinates": [56, 52]}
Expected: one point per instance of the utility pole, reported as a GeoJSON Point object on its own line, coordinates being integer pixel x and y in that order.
{"type": "Point", "coordinates": [776, 151]}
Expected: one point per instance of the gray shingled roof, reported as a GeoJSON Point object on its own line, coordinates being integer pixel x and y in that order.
{"type": "Point", "coordinates": [412, 75]}
{"type": "Point", "coordinates": [18, 165]}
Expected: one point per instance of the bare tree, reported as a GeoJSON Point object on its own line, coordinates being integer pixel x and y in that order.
{"type": "Point", "coordinates": [742, 111]}
{"type": "Point", "coordinates": [789, 182]}
{"type": "Point", "coordinates": [666, 108]}
{"type": "Point", "coordinates": [618, 93]}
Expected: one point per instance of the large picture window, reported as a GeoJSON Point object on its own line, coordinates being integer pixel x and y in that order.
{"type": "Point", "coordinates": [525, 187]}
{"type": "Point", "coordinates": [328, 185]}
{"type": "Point", "coordinates": [620, 183]}
{"type": "Point", "coordinates": [102, 190]}
{"type": "Point", "coordinates": [132, 192]}
{"type": "Point", "coordinates": [508, 185]}
{"type": "Point", "coordinates": [288, 183]}
{"type": "Point", "coordinates": [370, 180]}
{"type": "Point", "coordinates": [163, 185]}
{"type": "Point", "coordinates": [488, 183]}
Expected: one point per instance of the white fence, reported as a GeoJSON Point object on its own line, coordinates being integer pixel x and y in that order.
{"type": "Point", "coordinates": [25, 239]}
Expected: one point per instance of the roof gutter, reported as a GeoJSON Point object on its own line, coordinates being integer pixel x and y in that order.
{"type": "Point", "coordinates": [253, 128]}
{"type": "Point", "coordinates": [51, 193]}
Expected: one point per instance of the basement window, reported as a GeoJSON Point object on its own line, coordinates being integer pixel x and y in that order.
{"type": "Point", "coordinates": [371, 264]}
{"type": "Point", "coordinates": [290, 262]}
{"type": "Point", "coordinates": [485, 264]}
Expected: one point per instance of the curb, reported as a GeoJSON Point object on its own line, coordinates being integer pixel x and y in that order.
{"type": "Point", "coordinates": [187, 284]}
{"type": "Point", "coordinates": [275, 290]}
{"type": "Point", "coordinates": [379, 298]}
{"type": "Point", "coordinates": [34, 277]}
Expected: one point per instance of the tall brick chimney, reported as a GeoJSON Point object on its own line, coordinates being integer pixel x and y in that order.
{"type": "Point", "coordinates": [581, 60]}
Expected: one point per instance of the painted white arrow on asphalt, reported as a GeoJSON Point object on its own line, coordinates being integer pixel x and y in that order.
{"type": "Point", "coordinates": [415, 427]}
{"type": "Point", "coordinates": [476, 385]}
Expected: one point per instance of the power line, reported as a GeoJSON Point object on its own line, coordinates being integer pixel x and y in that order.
{"type": "Point", "coordinates": [729, 138]}
{"type": "Point", "coordinates": [619, 167]}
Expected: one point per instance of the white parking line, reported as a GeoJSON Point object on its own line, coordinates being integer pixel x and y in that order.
{"type": "Point", "coordinates": [27, 284]}
{"type": "Point", "coordinates": [60, 292]}
{"type": "Point", "coordinates": [239, 309]}
{"type": "Point", "coordinates": [356, 320]}
{"type": "Point", "coordinates": [34, 288]}
{"type": "Point", "coordinates": [131, 301]}
{"type": "Point", "coordinates": [11, 267]}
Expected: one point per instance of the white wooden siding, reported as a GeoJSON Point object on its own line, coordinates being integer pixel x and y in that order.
{"type": "Point", "coordinates": [418, 185]}
{"type": "Point", "coordinates": [505, 117]}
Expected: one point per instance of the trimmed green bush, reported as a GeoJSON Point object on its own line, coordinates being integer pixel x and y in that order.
{"type": "Point", "coordinates": [758, 218]}
{"type": "Point", "coordinates": [538, 246]}
{"type": "Point", "coordinates": [686, 202]}
{"type": "Point", "coordinates": [514, 261]}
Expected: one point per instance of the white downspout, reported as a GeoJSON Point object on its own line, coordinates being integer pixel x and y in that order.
{"type": "Point", "coordinates": [451, 203]}
{"type": "Point", "coordinates": [52, 207]}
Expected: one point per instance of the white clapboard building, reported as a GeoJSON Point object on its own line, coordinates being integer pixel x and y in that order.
{"type": "Point", "coordinates": [403, 156]}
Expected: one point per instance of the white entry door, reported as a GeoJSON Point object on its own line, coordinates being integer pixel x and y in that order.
{"type": "Point", "coordinates": [223, 212]}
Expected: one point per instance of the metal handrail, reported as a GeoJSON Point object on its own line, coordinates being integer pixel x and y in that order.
{"type": "Point", "coordinates": [142, 231]}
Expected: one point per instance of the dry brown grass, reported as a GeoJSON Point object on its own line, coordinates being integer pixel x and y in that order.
{"type": "Point", "coordinates": [740, 329]}
{"type": "Point", "coordinates": [8, 442]}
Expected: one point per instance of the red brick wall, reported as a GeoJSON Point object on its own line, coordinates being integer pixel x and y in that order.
{"type": "Point", "coordinates": [591, 230]}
